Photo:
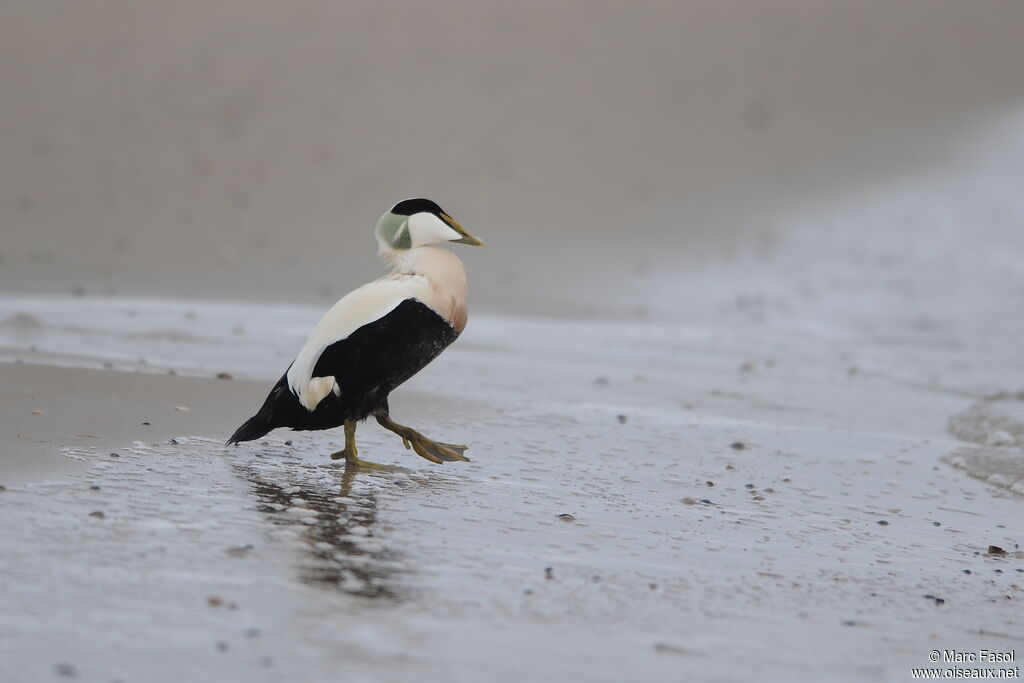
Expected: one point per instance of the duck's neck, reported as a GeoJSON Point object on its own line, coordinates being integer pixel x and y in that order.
{"type": "Point", "coordinates": [399, 260]}
{"type": "Point", "coordinates": [429, 261]}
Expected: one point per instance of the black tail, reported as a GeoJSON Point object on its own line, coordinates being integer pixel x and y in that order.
{"type": "Point", "coordinates": [255, 427]}
{"type": "Point", "coordinates": [266, 419]}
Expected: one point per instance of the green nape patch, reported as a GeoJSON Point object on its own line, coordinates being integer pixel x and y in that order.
{"type": "Point", "coordinates": [395, 231]}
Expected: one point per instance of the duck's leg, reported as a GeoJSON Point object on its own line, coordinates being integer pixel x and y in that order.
{"type": "Point", "coordinates": [351, 454]}
{"type": "Point", "coordinates": [434, 451]}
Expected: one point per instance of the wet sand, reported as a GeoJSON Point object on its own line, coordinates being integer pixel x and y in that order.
{"type": "Point", "coordinates": [48, 408]}
{"type": "Point", "coordinates": [732, 499]}
{"type": "Point", "coordinates": [814, 462]}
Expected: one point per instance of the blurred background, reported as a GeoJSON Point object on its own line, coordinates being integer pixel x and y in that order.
{"type": "Point", "coordinates": [244, 150]}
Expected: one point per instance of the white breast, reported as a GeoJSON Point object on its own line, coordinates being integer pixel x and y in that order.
{"type": "Point", "coordinates": [446, 280]}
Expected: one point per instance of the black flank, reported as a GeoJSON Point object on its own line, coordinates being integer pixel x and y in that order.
{"type": "Point", "coordinates": [367, 365]}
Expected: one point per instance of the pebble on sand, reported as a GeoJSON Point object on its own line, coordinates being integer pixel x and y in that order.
{"type": "Point", "coordinates": [672, 649]}
{"type": "Point", "coordinates": [66, 670]}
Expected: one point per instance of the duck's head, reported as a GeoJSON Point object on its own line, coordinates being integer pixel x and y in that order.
{"type": "Point", "coordinates": [416, 222]}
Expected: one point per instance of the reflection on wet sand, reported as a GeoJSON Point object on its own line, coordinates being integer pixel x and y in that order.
{"type": "Point", "coordinates": [338, 527]}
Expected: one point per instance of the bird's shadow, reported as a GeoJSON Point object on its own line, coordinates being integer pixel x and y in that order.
{"type": "Point", "coordinates": [338, 527]}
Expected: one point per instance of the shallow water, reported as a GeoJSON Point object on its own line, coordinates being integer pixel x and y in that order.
{"type": "Point", "coordinates": [994, 430]}
{"type": "Point", "coordinates": [268, 557]}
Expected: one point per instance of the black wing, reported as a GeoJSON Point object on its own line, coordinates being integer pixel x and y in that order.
{"type": "Point", "coordinates": [367, 366]}
{"type": "Point", "coordinates": [379, 356]}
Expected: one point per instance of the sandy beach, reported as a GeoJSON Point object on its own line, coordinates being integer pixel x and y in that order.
{"type": "Point", "coordinates": [742, 380]}
{"type": "Point", "coordinates": [50, 408]}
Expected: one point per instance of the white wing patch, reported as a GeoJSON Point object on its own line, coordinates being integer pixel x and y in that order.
{"type": "Point", "coordinates": [360, 307]}
{"type": "Point", "coordinates": [316, 390]}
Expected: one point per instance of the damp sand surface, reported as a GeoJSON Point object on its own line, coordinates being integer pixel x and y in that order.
{"type": "Point", "coordinates": [798, 460]}
{"type": "Point", "coordinates": [645, 500]}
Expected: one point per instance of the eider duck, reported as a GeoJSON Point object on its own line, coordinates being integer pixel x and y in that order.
{"type": "Point", "coordinates": [376, 337]}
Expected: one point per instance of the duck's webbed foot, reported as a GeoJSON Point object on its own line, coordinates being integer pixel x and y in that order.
{"type": "Point", "coordinates": [350, 453]}
{"type": "Point", "coordinates": [434, 451]}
